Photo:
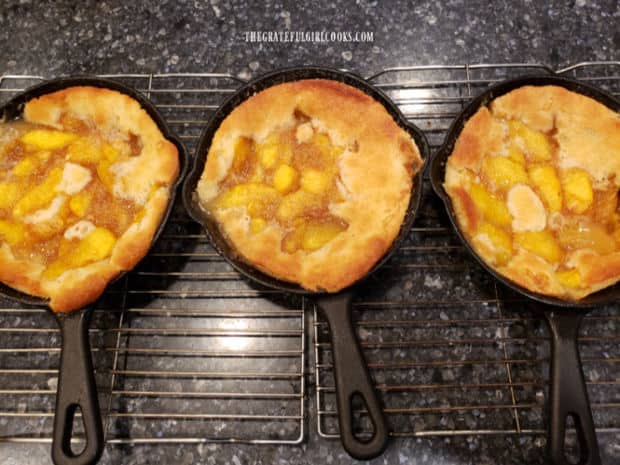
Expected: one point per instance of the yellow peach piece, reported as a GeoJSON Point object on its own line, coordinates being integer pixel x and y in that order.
{"type": "Point", "coordinates": [10, 193]}
{"type": "Point", "coordinates": [586, 235]}
{"type": "Point", "coordinates": [317, 235]}
{"type": "Point", "coordinates": [109, 153]}
{"type": "Point", "coordinates": [12, 232]}
{"type": "Point", "coordinates": [24, 167]}
{"type": "Point", "coordinates": [325, 146]}
{"type": "Point", "coordinates": [94, 247]}
{"type": "Point", "coordinates": [105, 174]}
{"type": "Point", "coordinates": [321, 141]}
{"type": "Point", "coordinates": [495, 241]}
{"type": "Point", "coordinates": [502, 172]}
{"type": "Point", "coordinates": [84, 150]}
{"type": "Point", "coordinates": [243, 151]}
{"type": "Point", "coordinates": [43, 155]}
{"type": "Point", "coordinates": [257, 225]}
{"type": "Point", "coordinates": [242, 194]}
{"type": "Point", "coordinates": [55, 269]}
{"type": "Point", "coordinates": [541, 243]}
{"type": "Point", "coordinates": [255, 208]}
{"type": "Point", "coordinates": [291, 242]}
{"type": "Point", "coordinates": [569, 278]}
{"type": "Point", "coordinates": [294, 205]}
{"type": "Point", "coordinates": [537, 144]}
{"type": "Point", "coordinates": [40, 195]}
{"type": "Point", "coordinates": [285, 179]}
{"type": "Point", "coordinates": [79, 203]}
{"type": "Point", "coordinates": [577, 190]}
{"type": "Point", "coordinates": [516, 154]}
{"type": "Point", "coordinates": [48, 139]}
{"type": "Point", "coordinates": [267, 152]}
{"type": "Point", "coordinates": [315, 181]}
{"type": "Point", "coordinates": [546, 181]}
{"type": "Point", "coordinates": [492, 208]}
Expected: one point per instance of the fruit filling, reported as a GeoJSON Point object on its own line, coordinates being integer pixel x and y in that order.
{"type": "Point", "coordinates": [287, 180]}
{"type": "Point", "coordinates": [525, 200]}
{"type": "Point", "coordinates": [57, 202]}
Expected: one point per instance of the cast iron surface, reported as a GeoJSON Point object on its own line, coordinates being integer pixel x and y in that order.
{"type": "Point", "coordinates": [429, 303]}
{"type": "Point", "coordinates": [351, 373]}
{"type": "Point", "coordinates": [77, 390]}
{"type": "Point", "coordinates": [568, 391]}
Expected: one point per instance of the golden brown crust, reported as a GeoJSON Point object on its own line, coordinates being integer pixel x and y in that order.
{"type": "Point", "coordinates": [132, 246]}
{"type": "Point", "coordinates": [19, 274]}
{"type": "Point", "coordinates": [466, 211]}
{"type": "Point", "coordinates": [375, 171]}
{"type": "Point", "coordinates": [80, 286]}
{"type": "Point", "coordinates": [587, 131]}
{"type": "Point", "coordinates": [586, 135]}
{"type": "Point", "coordinates": [470, 148]}
{"type": "Point", "coordinates": [533, 273]}
{"type": "Point", "coordinates": [145, 179]}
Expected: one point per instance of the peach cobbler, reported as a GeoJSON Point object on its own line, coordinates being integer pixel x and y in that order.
{"type": "Point", "coordinates": [85, 178]}
{"type": "Point", "coordinates": [534, 181]}
{"type": "Point", "coordinates": [310, 181]}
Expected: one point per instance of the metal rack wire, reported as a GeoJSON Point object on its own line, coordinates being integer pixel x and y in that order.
{"type": "Point", "coordinates": [449, 352]}
{"type": "Point", "coordinates": [184, 350]}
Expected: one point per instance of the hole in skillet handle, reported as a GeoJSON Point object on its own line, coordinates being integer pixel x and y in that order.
{"type": "Point", "coordinates": [353, 378]}
{"type": "Point", "coordinates": [360, 422]}
{"type": "Point", "coordinates": [76, 383]}
{"type": "Point", "coordinates": [568, 392]}
{"type": "Point", "coordinates": [572, 449]}
{"type": "Point", "coordinates": [75, 420]}
{"type": "Point", "coordinates": [76, 388]}
{"type": "Point", "coordinates": [568, 389]}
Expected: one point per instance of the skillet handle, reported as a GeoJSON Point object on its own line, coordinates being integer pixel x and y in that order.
{"type": "Point", "coordinates": [76, 388]}
{"type": "Point", "coordinates": [569, 396]}
{"type": "Point", "coordinates": [351, 377]}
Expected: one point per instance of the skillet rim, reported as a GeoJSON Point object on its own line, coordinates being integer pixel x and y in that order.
{"type": "Point", "coordinates": [13, 109]}
{"type": "Point", "coordinates": [438, 161]}
{"type": "Point", "coordinates": [270, 79]}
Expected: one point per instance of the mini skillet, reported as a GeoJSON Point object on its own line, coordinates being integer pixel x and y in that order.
{"type": "Point", "coordinates": [76, 381]}
{"type": "Point", "coordinates": [350, 372]}
{"type": "Point", "coordinates": [568, 392]}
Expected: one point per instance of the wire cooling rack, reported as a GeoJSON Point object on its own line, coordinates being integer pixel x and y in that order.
{"type": "Point", "coordinates": [447, 347]}
{"type": "Point", "coordinates": [186, 351]}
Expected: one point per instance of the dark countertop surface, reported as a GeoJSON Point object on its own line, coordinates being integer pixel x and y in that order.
{"type": "Point", "coordinates": [198, 36]}
{"type": "Point", "coordinates": [109, 37]}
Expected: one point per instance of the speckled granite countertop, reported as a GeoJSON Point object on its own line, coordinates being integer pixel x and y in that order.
{"type": "Point", "coordinates": [194, 36]}
{"type": "Point", "coordinates": [109, 37]}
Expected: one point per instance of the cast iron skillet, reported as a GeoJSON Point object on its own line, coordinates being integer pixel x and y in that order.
{"type": "Point", "coordinates": [568, 392]}
{"type": "Point", "coordinates": [76, 381]}
{"type": "Point", "coordinates": [351, 375]}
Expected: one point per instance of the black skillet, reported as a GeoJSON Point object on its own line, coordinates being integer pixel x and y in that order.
{"type": "Point", "coordinates": [350, 372]}
{"type": "Point", "coordinates": [76, 381]}
{"type": "Point", "coordinates": [569, 397]}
